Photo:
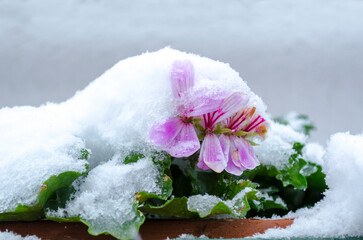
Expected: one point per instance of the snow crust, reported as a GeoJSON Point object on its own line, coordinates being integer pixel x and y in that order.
{"type": "Point", "coordinates": [340, 213]}
{"type": "Point", "coordinates": [12, 236]}
{"type": "Point", "coordinates": [277, 147]}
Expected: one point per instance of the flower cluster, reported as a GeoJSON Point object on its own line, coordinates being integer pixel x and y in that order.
{"type": "Point", "coordinates": [222, 122]}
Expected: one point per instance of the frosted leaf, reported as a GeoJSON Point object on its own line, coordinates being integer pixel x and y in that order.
{"type": "Point", "coordinates": [24, 168]}
{"type": "Point", "coordinates": [203, 204]}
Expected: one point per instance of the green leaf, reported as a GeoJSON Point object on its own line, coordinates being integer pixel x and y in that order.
{"type": "Point", "coordinates": [316, 180]}
{"type": "Point", "coordinates": [290, 175]}
{"type": "Point", "coordinates": [23, 213]}
{"type": "Point", "coordinates": [54, 184]}
{"type": "Point", "coordinates": [133, 158]}
{"type": "Point", "coordinates": [176, 207]}
{"type": "Point", "coordinates": [180, 208]}
{"type": "Point", "coordinates": [49, 189]}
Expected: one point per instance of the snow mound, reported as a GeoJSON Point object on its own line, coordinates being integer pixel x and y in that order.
{"type": "Point", "coordinates": [340, 213]}
{"type": "Point", "coordinates": [33, 147]}
{"type": "Point", "coordinates": [314, 152]}
{"type": "Point", "coordinates": [12, 236]}
{"type": "Point", "coordinates": [105, 199]}
{"type": "Point", "coordinates": [277, 147]}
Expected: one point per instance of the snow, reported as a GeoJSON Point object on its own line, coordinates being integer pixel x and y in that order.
{"type": "Point", "coordinates": [340, 213]}
{"type": "Point", "coordinates": [33, 148]}
{"type": "Point", "coordinates": [277, 147]}
{"type": "Point", "coordinates": [314, 152]}
{"type": "Point", "coordinates": [106, 197]}
{"type": "Point", "coordinates": [12, 236]}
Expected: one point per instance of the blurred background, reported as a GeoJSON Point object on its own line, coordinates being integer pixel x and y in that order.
{"type": "Point", "coordinates": [305, 56]}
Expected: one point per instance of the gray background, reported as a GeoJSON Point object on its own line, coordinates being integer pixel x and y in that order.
{"type": "Point", "coordinates": [304, 56]}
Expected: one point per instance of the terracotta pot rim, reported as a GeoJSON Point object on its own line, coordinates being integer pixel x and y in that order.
{"type": "Point", "coordinates": [153, 228]}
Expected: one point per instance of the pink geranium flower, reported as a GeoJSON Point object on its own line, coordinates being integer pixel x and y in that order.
{"type": "Point", "coordinates": [236, 148]}
{"type": "Point", "coordinates": [211, 154]}
{"type": "Point", "coordinates": [177, 135]}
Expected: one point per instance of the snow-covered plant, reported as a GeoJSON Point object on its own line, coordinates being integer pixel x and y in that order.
{"type": "Point", "coordinates": [168, 134]}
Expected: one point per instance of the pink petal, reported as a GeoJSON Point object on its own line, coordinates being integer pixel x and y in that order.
{"type": "Point", "coordinates": [231, 105]}
{"type": "Point", "coordinates": [246, 154]}
{"type": "Point", "coordinates": [181, 77]}
{"type": "Point", "coordinates": [233, 169]}
{"type": "Point", "coordinates": [201, 163]}
{"type": "Point", "coordinates": [212, 153]}
{"type": "Point", "coordinates": [225, 144]}
{"type": "Point", "coordinates": [228, 148]}
{"type": "Point", "coordinates": [185, 143]}
{"type": "Point", "coordinates": [202, 102]}
{"type": "Point", "coordinates": [164, 133]}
